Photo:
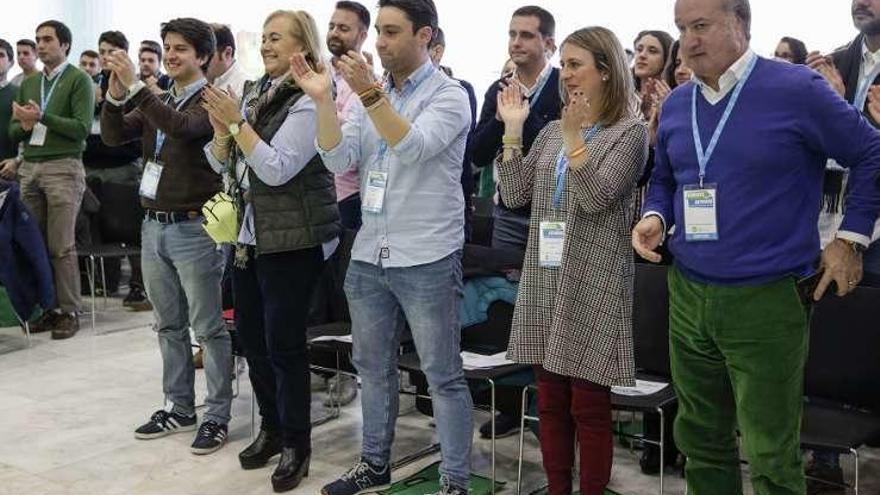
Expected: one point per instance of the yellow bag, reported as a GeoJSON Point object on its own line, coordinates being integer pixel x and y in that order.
{"type": "Point", "coordinates": [221, 218]}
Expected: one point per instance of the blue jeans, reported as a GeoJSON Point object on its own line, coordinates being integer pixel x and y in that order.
{"type": "Point", "coordinates": [381, 301]}
{"type": "Point", "coordinates": [182, 269]}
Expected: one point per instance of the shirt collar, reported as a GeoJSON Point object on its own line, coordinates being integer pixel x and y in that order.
{"type": "Point", "coordinates": [188, 91]}
{"type": "Point", "coordinates": [55, 71]}
{"type": "Point", "coordinates": [414, 79]}
{"type": "Point", "coordinates": [729, 78]}
{"type": "Point", "coordinates": [528, 91]}
{"type": "Point", "coordinates": [226, 76]}
{"type": "Point", "coordinates": [869, 56]}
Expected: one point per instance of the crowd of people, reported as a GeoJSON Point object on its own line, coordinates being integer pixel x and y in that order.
{"type": "Point", "coordinates": [745, 174]}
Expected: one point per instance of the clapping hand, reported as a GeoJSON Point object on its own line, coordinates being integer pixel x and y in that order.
{"type": "Point", "coordinates": [513, 109]}
{"type": "Point", "coordinates": [315, 83]}
{"type": "Point", "coordinates": [825, 65]}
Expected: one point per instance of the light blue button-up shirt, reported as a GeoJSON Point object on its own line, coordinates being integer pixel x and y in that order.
{"type": "Point", "coordinates": [422, 219]}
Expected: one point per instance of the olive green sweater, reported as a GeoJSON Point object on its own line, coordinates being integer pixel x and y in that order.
{"type": "Point", "coordinates": [68, 116]}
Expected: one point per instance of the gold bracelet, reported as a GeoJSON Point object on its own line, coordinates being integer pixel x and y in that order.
{"type": "Point", "coordinates": [222, 137]}
{"type": "Point", "coordinates": [378, 103]}
{"type": "Point", "coordinates": [511, 140]}
{"type": "Point", "coordinates": [578, 152]}
{"type": "Point", "coordinates": [374, 87]}
{"type": "Point", "coordinates": [370, 97]}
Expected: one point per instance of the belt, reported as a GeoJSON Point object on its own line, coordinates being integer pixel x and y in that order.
{"type": "Point", "coordinates": [168, 217]}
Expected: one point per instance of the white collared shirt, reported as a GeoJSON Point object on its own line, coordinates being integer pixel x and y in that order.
{"type": "Point", "coordinates": [728, 80]}
{"type": "Point", "coordinates": [57, 70]}
{"type": "Point", "coordinates": [233, 77]}
{"type": "Point", "coordinates": [529, 91]}
{"type": "Point", "coordinates": [869, 62]}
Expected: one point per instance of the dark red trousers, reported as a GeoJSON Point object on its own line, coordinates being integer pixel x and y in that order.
{"type": "Point", "coordinates": [568, 407]}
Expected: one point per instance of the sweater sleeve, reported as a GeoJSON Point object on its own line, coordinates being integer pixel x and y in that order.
{"type": "Point", "coordinates": [662, 186]}
{"type": "Point", "coordinates": [82, 107]}
{"type": "Point", "coordinates": [188, 124]}
{"type": "Point", "coordinates": [517, 177]}
{"type": "Point", "coordinates": [16, 133]}
{"type": "Point", "coordinates": [840, 131]}
{"type": "Point", "coordinates": [118, 128]}
{"type": "Point", "coordinates": [597, 186]}
{"type": "Point", "coordinates": [487, 134]}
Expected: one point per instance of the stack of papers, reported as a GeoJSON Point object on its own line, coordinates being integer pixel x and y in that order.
{"type": "Point", "coordinates": [473, 361]}
{"type": "Point", "coordinates": [643, 387]}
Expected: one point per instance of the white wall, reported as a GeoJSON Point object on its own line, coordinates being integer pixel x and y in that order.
{"type": "Point", "coordinates": [475, 29]}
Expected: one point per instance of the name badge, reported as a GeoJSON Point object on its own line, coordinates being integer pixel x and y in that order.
{"type": "Point", "coordinates": [701, 213]}
{"type": "Point", "coordinates": [150, 180]}
{"type": "Point", "coordinates": [38, 134]}
{"type": "Point", "coordinates": [374, 196]}
{"type": "Point", "coordinates": [550, 244]}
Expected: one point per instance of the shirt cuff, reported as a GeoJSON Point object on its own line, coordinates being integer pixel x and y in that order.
{"type": "Point", "coordinates": [652, 213]}
{"type": "Point", "coordinates": [132, 90]}
{"type": "Point", "coordinates": [854, 237]}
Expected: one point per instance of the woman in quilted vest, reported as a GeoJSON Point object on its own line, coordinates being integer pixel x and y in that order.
{"type": "Point", "coordinates": [573, 314]}
{"type": "Point", "coordinates": [289, 223]}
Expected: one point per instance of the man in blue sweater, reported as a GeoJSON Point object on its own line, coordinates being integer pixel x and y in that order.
{"type": "Point", "coordinates": [740, 158]}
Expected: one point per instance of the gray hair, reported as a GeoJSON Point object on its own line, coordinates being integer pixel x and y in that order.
{"type": "Point", "coordinates": [743, 11]}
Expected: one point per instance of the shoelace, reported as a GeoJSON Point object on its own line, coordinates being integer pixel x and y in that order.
{"type": "Point", "coordinates": [209, 429]}
{"type": "Point", "coordinates": [359, 469]}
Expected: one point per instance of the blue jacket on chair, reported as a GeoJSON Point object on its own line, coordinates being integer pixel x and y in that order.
{"type": "Point", "coordinates": [24, 263]}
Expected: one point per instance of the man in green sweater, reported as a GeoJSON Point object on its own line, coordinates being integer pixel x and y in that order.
{"type": "Point", "coordinates": [52, 116]}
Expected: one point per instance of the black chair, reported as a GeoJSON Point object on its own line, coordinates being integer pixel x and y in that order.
{"type": "Point", "coordinates": [482, 221]}
{"type": "Point", "coordinates": [651, 343]}
{"type": "Point", "coordinates": [842, 376]}
{"type": "Point", "coordinates": [120, 218]}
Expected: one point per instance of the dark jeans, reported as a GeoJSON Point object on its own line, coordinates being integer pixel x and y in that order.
{"type": "Point", "coordinates": [350, 212]}
{"type": "Point", "coordinates": [272, 297]}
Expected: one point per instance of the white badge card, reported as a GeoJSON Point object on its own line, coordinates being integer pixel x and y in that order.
{"type": "Point", "coordinates": [550, 245]}
{"type": "Point", "coordinates": [38, 134]}
{"type": "Point", "coordinates": [374, 196]}
{"type": "Point", "coordinates": [701, 213]}
{"type": "Point", "coordinates": [150, 180]}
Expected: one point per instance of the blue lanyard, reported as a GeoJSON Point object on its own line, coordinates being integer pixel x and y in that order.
{"type": "Point", "coordinates": [562, 168]}
{"type": "Point", "coordinates": [543, 82]}
{"type": "Point", "coordinates": [160, 136]}
{"type": "Point", "coordinates": [703, 157]}
{"type": "Point", "coordinates": [44, 98]}
{"type": "Point", "coordinates": [408, 91]}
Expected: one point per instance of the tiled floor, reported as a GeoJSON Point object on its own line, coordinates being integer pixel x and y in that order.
{"type": "Point", "coordinates": [68, 408]}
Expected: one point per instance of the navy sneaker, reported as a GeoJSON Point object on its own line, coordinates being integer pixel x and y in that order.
{"type": "Point", "coordinates": [164, 423]}
{"type": "Point", "coordinates": [363, 477]}
{"type": "Point", "coordinates": [211, 436]}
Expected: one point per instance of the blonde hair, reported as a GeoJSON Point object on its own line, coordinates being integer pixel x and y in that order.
{"type": "Point", "coordinates": [304, 30]}
{"type": "Point", "coordinates": [619, 90]}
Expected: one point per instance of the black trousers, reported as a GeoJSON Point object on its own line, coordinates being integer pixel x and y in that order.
{"type": "Point", "coordinates": [272, 297]}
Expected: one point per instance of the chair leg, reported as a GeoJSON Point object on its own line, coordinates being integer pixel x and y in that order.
{"type": "Point", "coordinates": [492, 412]}
{"type": "Point", "coordinates": [104, 281]}
{"type": "Point", "coordinates": [522, 429]}
{"type": "Point", "coordinates": [855, 454]}
{"type": "Point", "coordinates": [662, 446]}
{"type": "Point", "coordinates": [92, 269]}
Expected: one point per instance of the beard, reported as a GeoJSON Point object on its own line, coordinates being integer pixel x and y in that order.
{"type": "Point", "coordinates": [869, 27]}
{"type": "Point", "coordinates": [337, 47]}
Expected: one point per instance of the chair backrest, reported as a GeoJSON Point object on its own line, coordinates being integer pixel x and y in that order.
{"type": "Point", "coordinates": [651, 320]}
{"type": "Point", "coordinates": [492, 335]}
{"type": "Point", "coordinates": [121, 213]}
{"type": "Point", "coordinates": [844, 359]}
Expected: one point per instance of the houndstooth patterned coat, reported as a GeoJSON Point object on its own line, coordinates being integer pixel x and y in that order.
{"type": "Point", "coordinates": [576, 320]}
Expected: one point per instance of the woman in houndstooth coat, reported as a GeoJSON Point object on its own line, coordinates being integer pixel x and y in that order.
{"type": "Point", "coordinates": [573, 316]}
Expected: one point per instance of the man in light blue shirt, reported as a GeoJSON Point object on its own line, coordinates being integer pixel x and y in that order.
{"type": "Point", "coordinates": [408, 139]}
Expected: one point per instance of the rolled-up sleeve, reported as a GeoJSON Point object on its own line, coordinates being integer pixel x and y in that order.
{"type": "Point", "coordinates": [437, 126]}
{"type": "Point", "coordinates": [347, 153]}
{"type": "Point", "coordinates": [216, 164]}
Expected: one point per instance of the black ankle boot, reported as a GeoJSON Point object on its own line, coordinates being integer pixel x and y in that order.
{"type": "Point", "coordinates": [258, 453]}
{"type": "Point", "coordinates": [293, 467]}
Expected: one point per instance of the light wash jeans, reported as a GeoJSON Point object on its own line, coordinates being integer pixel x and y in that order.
{"type": "Point", "coordinates": [381, 301]}
{"type": "Point", "coordinates": [182, 269]}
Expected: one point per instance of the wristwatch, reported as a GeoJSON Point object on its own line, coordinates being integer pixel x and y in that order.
{"type": "Point", "coordinates": [856, 247]}
{"type": "Point", "coordinates": [235, 128]}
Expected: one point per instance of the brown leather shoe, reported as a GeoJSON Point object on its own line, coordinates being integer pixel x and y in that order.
{"type": "Point", "coordinates": [66, 326]}
{"type": "Point", "coordinates": [44, 323]}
